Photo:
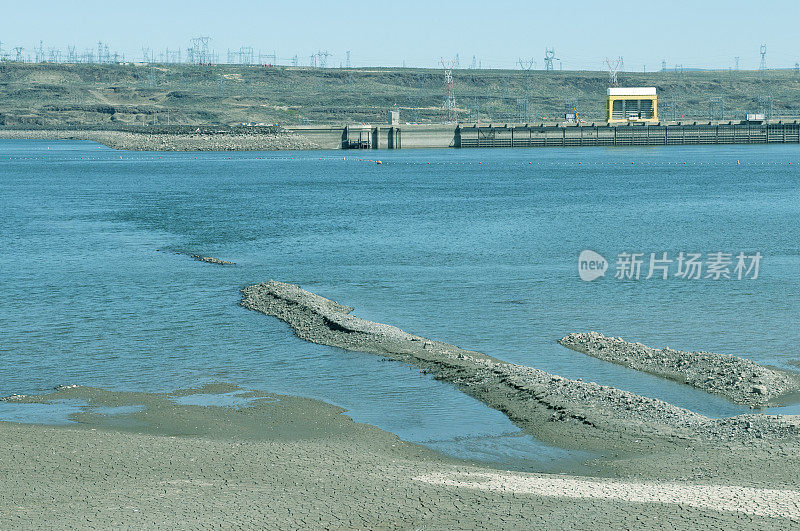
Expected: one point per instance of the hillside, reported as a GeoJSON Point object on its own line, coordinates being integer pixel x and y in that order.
{"type": "Point", "coordinates": [112, 96]}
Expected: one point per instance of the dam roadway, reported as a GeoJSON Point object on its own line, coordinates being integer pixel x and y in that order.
{"type": "Point", "coordinates": [550, 134]}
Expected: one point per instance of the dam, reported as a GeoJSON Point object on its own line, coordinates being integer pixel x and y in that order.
{"type": "Point", "coordinates": [552, 134]}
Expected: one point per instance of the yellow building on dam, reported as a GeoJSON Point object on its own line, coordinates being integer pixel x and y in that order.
{"type": "Point", "coordinates": [632, 104]}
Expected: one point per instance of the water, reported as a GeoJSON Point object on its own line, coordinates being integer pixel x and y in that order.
{"type": "Point", "coordinates": [477, 248]}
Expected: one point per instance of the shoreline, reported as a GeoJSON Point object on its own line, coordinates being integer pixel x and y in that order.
{"type": "Point", "coordinates": [285, 461]}
{"type": "Point", "coordinates": [184, 142]}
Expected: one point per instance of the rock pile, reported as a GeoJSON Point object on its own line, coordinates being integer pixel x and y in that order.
{"type": "Point", "coordinates": [211, 260]}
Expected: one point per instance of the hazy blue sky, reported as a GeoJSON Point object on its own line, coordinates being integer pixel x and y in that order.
{"type": "Point", "coordinates": [692, 33]}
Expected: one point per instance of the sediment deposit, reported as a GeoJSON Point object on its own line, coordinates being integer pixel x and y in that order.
{"type": "Point", "coordinates": [740, 380]}
{"type": "Point", "coordinates": [555, 409]}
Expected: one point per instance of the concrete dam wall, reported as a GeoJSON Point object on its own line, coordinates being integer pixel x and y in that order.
{"type": "Point", "coordinates": [410, 136]}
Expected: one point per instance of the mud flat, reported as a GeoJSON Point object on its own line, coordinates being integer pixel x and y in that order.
{"type": "Point", "coordinates": [565, 412]}
{"type": "Point", "coordinates": [740, 380]}
{"type": "Point", "coordinates": [125, 140]}
{"type": "Point", "coordinates": [147, 460]}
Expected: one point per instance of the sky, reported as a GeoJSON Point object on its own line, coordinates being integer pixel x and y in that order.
{"type": "Point", "coordinates": [414, 33]}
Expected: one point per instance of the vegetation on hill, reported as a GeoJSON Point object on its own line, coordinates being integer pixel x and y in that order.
{"type": "Point", "coordinates": [121, 95]}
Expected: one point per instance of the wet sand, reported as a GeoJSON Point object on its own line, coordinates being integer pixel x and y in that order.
{"type": "Point", "coordinates": [287, 462]}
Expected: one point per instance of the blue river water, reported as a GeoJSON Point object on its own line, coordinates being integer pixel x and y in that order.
{"type": "Point", "coordinates": [477, 248]}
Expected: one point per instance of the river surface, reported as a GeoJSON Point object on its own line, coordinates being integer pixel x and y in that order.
{"type": "Point", "coordinates": [478, 248]}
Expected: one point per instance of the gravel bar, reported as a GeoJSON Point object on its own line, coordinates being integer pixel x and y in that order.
{"type": "Point", "coordinates": [566, 412]}
{"type": "Point", "coordinates": [738, 379]}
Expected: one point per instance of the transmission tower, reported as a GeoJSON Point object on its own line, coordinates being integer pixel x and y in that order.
{"type": "Point", "coordinates": [549, 55]}
{"type": "Point", "coordinates": [199, 52]}
{"type": "Point", "coordinates": [19, 57]}
{"type": "Point", "coordinates": [474, 64]}
{"type": "Point", "coordinates": [716, 108]}
{"type": "Point", "coordinates": [522, 103]}
{"type": "Point", "coordinates": [613, 66]}
{"type": "Point", "coordinates": [765, 105]}
{"type": "Point", "coordinates": [348, 59]}
{"type": "Point", "coordinates": [797, 69]}
{"type": "Point", "coordinates": [295, 61]}
{"type": "Point", "coordinates": [323, 58]}
{"type": "Point", "coordinates": [664, 65]}
{"type": "Point", "coordinates": [763, 65]}
{"type": "Point", "coordinates": [246, 55]}
{"type": "Point", "coordinates": [173, 56]}
{"type": "Point", "coordinates": [450, 114]}
{"type": "Point", "coordinates": [270, 59]}
{"type": "Point", "coordinates": [39, 52]}
{"type": "Point", "coordinates": [736, 62]}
